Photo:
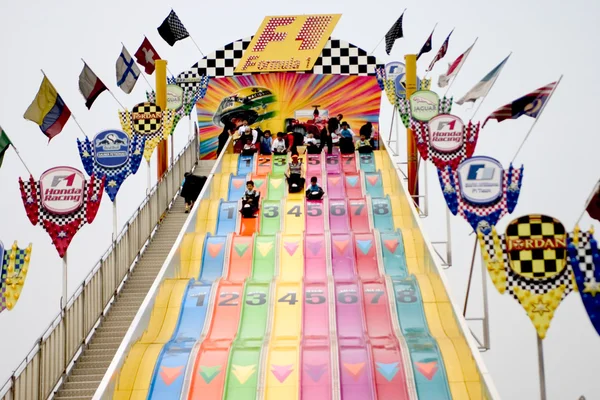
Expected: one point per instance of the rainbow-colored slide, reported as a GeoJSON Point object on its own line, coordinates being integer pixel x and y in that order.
{"type": "Point", "coordinates": [332, 299]}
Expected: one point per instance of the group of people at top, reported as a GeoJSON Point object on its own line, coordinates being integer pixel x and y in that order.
{"type": "Point", "coordinates": [249, 140]}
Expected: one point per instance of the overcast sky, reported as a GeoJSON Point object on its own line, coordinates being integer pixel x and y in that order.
{"type": "Point", "coordinates": [548, 38]}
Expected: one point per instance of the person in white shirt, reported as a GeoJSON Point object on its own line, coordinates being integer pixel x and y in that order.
{"type": "Point", "coordinates": [279, 147]}
{"type": "Point", "coordinates": [311, 144]}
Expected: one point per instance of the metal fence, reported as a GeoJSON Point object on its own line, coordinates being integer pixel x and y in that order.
{"type": "Point", "coordinates": [56, 350]}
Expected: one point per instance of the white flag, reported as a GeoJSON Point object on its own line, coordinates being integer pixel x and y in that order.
{"type": "Point", "coordinates": [483, 87]}
{"type": "Point", "coordinates": [127, 71]}
{"type": "Point", "coordinates": [454, 68]}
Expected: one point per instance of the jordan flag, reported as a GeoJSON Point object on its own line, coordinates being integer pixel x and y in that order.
{"type": "Point", "coordinates": [146, 55]}
{"type": "Point", "coordinates": [454, 68]}
{"type": "Point", "coordinates": [90, 85]}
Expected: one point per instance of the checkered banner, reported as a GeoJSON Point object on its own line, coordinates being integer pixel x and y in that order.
{"type": "Point", "coordinates": [390, 88]}
{"type": "Point", "coordinates": [481, 191]}
{"type": "Point", "coordinates": [14, 265]}
{"type": "Point", "coordinates": [530, 263]}
{"type": "Point", "coordinates": [584, 258]}
{"type": "Point", "coordinates": [149, 120]}
{"type": "Point", "coordinates": [445, 140]}
{"type": "Point", "coordinates": [62, 201]}
{"type": "Point", "coordinates": [94, 154]}
{"type": "Point", "coordinates": [444, 107]}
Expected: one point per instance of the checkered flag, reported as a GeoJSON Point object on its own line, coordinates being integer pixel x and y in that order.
{"type": "Point", "coordinates": [452, 158]}
{"type": "Point", "coordinates": [172, 30]}
{"type": "Point", "coordinates": [14, 265]}
{"type": "Point", "coordinates": [481, 217]}
{"type": "Point", "coordinates": [394, 33]}
{"type": "Point", "coordinates": [584, 258]}
{"type": "Point", "coordinates": [114, 176]}
{"type": "Point", "coordinates": [381, 76]}
{"type": "Point", "coordinates": [538, 278]}
{"type": "Point", "coordinates": [153, 129]}
{"type": "Point", "coordinates": [61, 227]}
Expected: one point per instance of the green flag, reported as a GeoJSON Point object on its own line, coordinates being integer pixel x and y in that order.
{"type": "Point", "coordinates": [4, 144]}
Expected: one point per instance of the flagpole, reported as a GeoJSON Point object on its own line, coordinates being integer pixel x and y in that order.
{"type": "Point", "coordinates": [430, 36]}
{"type": "Point", "coordinates": [462, 63]}
{"type": "Point", "coordinates": [373, 51]}
{"type": "Point", "coordinates": [587, 203]}
{"type": "Point", "coordinates": [109, 91]}
{"type": "Point", "coordinates": [20, 158]}
{"type": "Point", "coordinates": [198, 47]}
{"type": "Point", "coordinates": [536, 119]}
{"type": "Point", "coordinates": [72, 115]}
{"type": "Point", "coordinates": [493, 83]}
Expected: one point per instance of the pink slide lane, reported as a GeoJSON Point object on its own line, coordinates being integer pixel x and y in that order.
{"type": "Point", "coordinates": [315, 217]}
{"type": "Point", "coordinates": [359, 216]}
{"type": "Point", "coordinates": [349, 163]}
{"type": "Point", "coordinates": [313, 166]}
{"type": "Point", "coordinates": [335, 187]}
{"type": "Point", "coordinates": [315, 261]}
{"type": "Point", "coordinates": [342, 258]}
{"type": "Point", "coordinates": [332, 163]}
{"type": "Point", "coordinates": [366, 256]}
{"type": "Point", "coordinates": [353, 186]}
{"type": "Point", "coordinates": [338, 216]}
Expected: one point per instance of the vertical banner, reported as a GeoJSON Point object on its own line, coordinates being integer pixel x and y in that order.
{"type": "Point", "coordinates": [62, 201]}
{"type": "Point", "coordinates": [481, 191]}
{"type": "Point", "coordinates": [584, 257]}
{"type": "Point", "coordinates": [112, 154]}
{"type": "Point", "coordinates": [14, 265]}
{"type": "Point", "coordinates": [148, 120]}
{"type": "Point", "coordinates": [530, 263]}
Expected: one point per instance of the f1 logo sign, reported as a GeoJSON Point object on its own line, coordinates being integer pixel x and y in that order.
{"type": "Point", "coordinates": [443, 124]}
{"type": "Point", "coordinates": [58, 179]}
{"type": "Point", "coordinates": [287, 43]}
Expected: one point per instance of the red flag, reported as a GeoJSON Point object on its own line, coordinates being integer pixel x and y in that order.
{"type": "Point", "coordinates": [146, 55]}
{"type": "Point", "coordinates": [593, 207]}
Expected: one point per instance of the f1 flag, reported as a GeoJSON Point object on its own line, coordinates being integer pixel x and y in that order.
{"type": "Point", "coordinates": [394, 33]}
{"type": "Point", "coordinates": [4, 144]}
{"type": "Point", "coordinates": [48, 110]}
{"type": "Point", "coordinates": [90, 85]}
{"type": "Point", "coordinates": [441, 52]}
{"type": "Point", "coordinates": [454, 68]}
{"type": "Point", "coordinates": [172, 30]}
{"type": "Point", "coordinates": [482, 88]}
{"type": "Point", "coordinates": [531, 104]}
{"type": "Point", "coordinates": [146, 55]}
{"type": "Point", "coordinates": [127, 71]}
{"type": "Point", "coordinates": [427, 46]}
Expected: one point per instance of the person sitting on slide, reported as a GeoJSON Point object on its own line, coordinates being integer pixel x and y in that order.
{"type": "Point", "coordinates": [279, 147]}
{"type": "Point", "coordinates": [346, 139]}
{"type": "Point", "coordinates": [294, 175]}
{"type": "Point", "coordinates": [249, 148]}
{"type": "Point", "coordinates": [363, 146]}
{"type": "Point", "coordinates": [311, 144]}
{"type": "Point", "coordinates": [250, 201]}
{"type": "Point", "coordinates": [314, 191]}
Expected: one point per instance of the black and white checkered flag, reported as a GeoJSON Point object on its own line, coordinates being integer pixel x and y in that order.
{"type": "Point", "coordinates": [172, 30]}
{"type": "Point", "coordinates": [394, 33]}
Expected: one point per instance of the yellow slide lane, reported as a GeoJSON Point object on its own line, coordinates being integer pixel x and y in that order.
{"type": "Point", "coordinates": [287, 316]}
{"type": "Point", "coordinates": [282, 372]}
{"type": "Point", "coordinates": [291, 258]}
{"type": "Point", "coordinates": [211, 220]}
{"type": "Point", "coordinates": [220, 186]}
{"type": "Point", "coordinates": [464, 380]}
{"type": "Point", "coordinates": [191, 255]}
{"type": "Point", "coordinates": [202, 216]}
{"type": "Point", "coordinates": [294, 215]}
{"type": "Point", "coordinates": [229, 163]}
{"type": "Point", "coordinates": [136, 373]}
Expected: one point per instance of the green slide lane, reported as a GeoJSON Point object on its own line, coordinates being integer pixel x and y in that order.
{"type": "Point", "coordinates": [263, 266]}
{"type": "Point", "coordinates": [279, 165]}
{"type": "Point", "coordinates": [254, 312]}
{"type": "Point", "coordinates": [270, 219]}
{"type": "Point", "coordinates": [276, 187]}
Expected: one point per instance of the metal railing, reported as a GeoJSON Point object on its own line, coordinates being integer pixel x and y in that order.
{"type": "Point", "coordinates": [55, 352]}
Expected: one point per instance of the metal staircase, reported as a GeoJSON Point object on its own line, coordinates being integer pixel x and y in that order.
{"type": "Point", "coordinates": [93, 362]}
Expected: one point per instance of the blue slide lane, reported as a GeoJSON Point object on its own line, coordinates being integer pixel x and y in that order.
{"type": "Point", "coordinates": [227, 218]}
{"type": "Point", "coordinates": [176, 351]}
{"type": "Point", "coordinates": [367, 162]}
{"type": "Point", "coordinates": [374, 184]}
{"type": "Point", "coordinates": [382, 214]}
{"type": "Point", "coordinates": [237, 186]}
{"type": "Point", "coordinates": [245, 164]}
{"type": "Point", "coordinates": [429, 371]}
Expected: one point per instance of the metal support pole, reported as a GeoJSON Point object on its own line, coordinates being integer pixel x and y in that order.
{"type": "Point", "coordinates": [542, 371]}
{"type": "Point", "coordinates": [486, 314]}
{"type": "Point", "coordinates": [148, 179]}
{"type": "Point", "coordinates": [426, 191]}
{"type": "Point", "coordinates": [63, 300]}
{"type": "Point", "coordinates": [115, 225]}
{"type": "Point", "coordinates": [389, 141]}
{"type": "Point", "coordinates": [470, 278]}
{"type": "Point", "coordinates": [449, 240]}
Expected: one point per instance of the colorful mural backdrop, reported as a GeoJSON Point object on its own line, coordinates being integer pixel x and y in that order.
{"type": "Point", "coordinates": [267, 100]}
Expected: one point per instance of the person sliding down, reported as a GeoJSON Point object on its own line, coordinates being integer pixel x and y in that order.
{"type": "Point", "coordinates": [363, 145]}
{"type": "Point", "coordinates": [294, 175]}
{"type": "Point", "coordinates": [314, 191]}
{"type": "Point", "coordinates": [250, 200]}
{"type": "Point", "coordinates": [279, 147]}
